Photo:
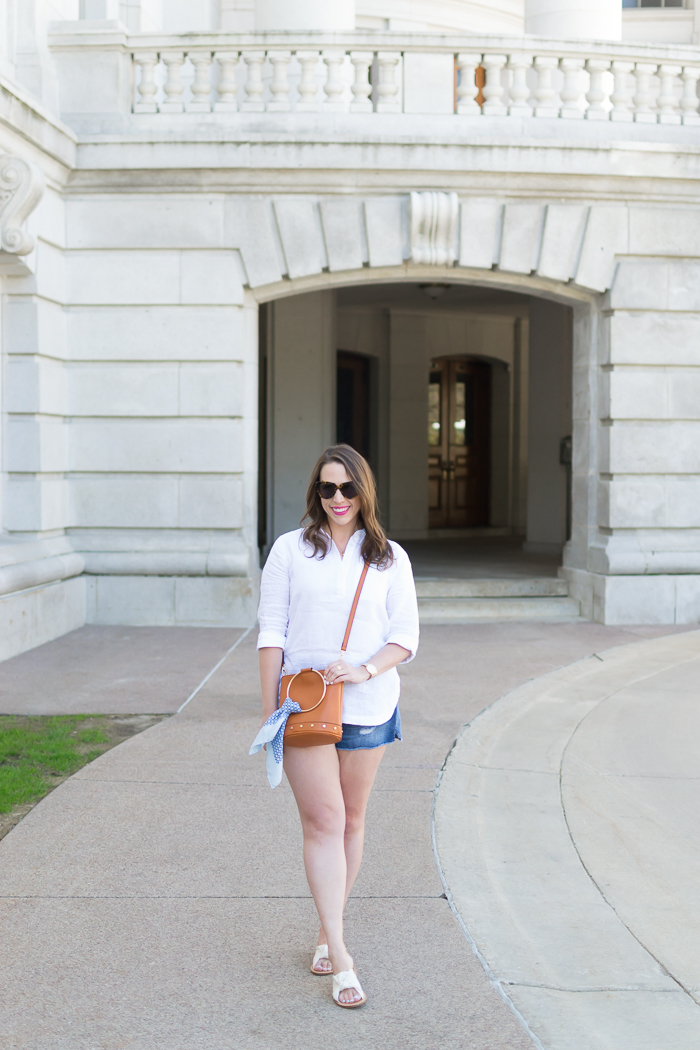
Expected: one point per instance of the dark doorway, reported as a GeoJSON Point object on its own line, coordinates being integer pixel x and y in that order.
{"type": "Point", "coordinates": [459, 423]}
{"type": "Point", "coordinates": [353, 402]}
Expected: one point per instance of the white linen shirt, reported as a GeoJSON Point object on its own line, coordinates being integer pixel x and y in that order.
{"type": "Point", "coordinates": [304, 608]}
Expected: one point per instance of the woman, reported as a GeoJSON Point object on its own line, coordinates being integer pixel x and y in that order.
{"type": "Point", "coordinates": [307, 588]}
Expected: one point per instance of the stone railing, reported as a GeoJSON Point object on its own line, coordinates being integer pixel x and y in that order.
{"type": "Point", "coordinates": [385, 73]}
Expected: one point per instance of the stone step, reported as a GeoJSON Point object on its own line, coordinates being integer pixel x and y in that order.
{"type": "Point", "coordinates": [483, 610]}
{"type": "Point", "coordinates": [492, 587]}
{"type": "Point", "coordinates": [451, 600]}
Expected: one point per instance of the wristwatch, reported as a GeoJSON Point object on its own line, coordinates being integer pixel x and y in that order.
{"type": "Point", "coordinates": [371, 669]}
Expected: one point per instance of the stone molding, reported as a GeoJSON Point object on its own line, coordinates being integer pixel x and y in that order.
{"type": "Point", "coordinates": [433, 227]}
{"type": "Point", "coordinates": [21, 188]}
{"type": "Point", "coordinates": [32, 564]}
{"type": "Point", "coordinates": [166, 563]}
{"type": "Point", "coordinates": [25, 565]}
{"type": "Point", "coordinates": [571, 244]}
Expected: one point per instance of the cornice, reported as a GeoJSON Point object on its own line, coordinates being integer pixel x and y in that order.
{"type": "Point", "coordinates": [23, 119]}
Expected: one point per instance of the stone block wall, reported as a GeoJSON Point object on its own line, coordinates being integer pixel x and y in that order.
{"type": "Point", "coordinates": [644, 558]}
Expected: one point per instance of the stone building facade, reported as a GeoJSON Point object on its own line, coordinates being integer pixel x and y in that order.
{"type": "Point", "coordinates": [209, 211]}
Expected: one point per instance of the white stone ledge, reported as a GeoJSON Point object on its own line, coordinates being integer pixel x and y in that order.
{"type": "Point", "coordinates": [143, 540]}
{"type": "Point", "coordinates": [14, 552]}
{"type": "Point", "coordinates": [650, 563]}
{"type": "Point", "coordinates": [31, 120]}
{"type": "Point", "coordinates": [165, 563]}
{"type": "Point", "coordinates": [73, 35]}
{"type": "Point", "coordinates": [32, 574]}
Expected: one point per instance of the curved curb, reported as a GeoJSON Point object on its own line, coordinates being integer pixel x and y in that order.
{"type": "Point", "coordinates": [553, 947]}
{"type": "Point", "coordinates": [495, 981]}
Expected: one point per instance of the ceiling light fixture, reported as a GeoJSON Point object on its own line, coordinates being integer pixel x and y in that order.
{"type": "Point", "coordinates": [434, 291]}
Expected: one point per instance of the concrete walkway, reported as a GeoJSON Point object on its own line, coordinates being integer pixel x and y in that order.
{"type": "Point", "coordinates": [568, 829]}
{"type": "Point", "coordinates": [157, 898]}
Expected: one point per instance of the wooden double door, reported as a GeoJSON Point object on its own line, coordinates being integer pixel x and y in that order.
{"type": "Point", "coordinates": [459, 424]}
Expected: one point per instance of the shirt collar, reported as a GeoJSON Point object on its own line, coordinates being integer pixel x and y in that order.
{"type": "Point", "coordinates": [357, 536]}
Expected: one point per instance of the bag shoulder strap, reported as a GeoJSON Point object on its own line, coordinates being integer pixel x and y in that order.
{"type": "Point", "coordinates": [354, 607]}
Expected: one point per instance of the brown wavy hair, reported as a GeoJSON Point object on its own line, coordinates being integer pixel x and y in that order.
{"type": "Point", "coordinates": [376, 549]}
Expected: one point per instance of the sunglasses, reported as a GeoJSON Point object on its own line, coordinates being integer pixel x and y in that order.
{"type": "Point", "coordinates": [327, 489]}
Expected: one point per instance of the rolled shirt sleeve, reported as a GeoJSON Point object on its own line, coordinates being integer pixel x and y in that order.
{"type": "Point", "coordinates": [402, 605]}
{"type": "Point", "coordinates": [273, 611]}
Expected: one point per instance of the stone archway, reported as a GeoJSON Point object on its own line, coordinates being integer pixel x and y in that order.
{"type": "Point", "coordinates": [300, 337]}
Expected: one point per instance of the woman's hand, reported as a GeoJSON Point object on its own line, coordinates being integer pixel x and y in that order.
{"type": "Point", "coordinates": [342, 671]}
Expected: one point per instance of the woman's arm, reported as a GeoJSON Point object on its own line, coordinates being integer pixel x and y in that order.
{"type": "Point", "coordinates": [270, 668]}
{"type": "Point", "coordinates": [389, 656]}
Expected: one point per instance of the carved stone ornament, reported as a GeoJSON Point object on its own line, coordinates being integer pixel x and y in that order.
{"type": "Point", "coordinates": [433, 227]}
{"type": "Point", "coordinates": [21, 189]}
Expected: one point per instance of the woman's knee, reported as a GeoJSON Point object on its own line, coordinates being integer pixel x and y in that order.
{"type": "Point", "coordinates": [323, 821]}
{"type": "Point", "coordinates": [354, 820]}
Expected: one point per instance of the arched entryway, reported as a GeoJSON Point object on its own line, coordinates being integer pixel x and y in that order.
{"type": "Point", "coordinates": [379, 366]}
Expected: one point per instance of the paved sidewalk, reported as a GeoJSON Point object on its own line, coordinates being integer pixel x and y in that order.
{"type": "Point", "coordinates": [567, 827]}
{"type": "Point", "coordinates": [157, 898]}
{"type": "Point", "coordinates": [112, 670]}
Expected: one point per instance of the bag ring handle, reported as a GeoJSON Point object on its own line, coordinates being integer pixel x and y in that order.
{"type": "Point", "coordinates": [305, 710]}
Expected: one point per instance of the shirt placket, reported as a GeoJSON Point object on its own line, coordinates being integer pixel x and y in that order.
{"type": "Point", "coordinates": [346, 570]}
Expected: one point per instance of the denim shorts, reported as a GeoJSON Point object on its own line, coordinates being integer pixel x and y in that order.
{"type": "Point", "coordinates": [363, 738]}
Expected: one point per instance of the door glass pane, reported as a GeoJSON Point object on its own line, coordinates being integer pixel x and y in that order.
{"type": "Point", "coordinates": [459, 420]}
{"type": "Point", "coordinates": [463, 427]}
{"type": "Point", "coordinates": [434, 408]}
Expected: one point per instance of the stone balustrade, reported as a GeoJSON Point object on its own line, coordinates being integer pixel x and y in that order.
{"type": "Point", "coordinates": [466, 76]}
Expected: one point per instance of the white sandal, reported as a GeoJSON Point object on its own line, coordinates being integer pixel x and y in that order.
{"type": "Point", "coordinates": [344, 980]}
{"type": "Point", "coordinates": [320, 953]}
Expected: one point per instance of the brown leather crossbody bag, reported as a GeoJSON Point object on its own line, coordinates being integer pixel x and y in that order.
{"type": "Point", "coordinates": [321, 718]}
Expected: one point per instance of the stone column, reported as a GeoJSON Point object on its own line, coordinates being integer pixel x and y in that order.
{"type": "Point", "coordinates": [301, 401]}
{"type": "Point", "coordinates": [574, 19]}
{"type": "Point", "coordinates": [303, 15]}
{"type": "Point", "coordinates": [645, 553]}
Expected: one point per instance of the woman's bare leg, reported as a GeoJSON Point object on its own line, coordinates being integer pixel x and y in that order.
{"type": "Point", "coordinates": [357, 772]}
{"type": "Point", "coordinates": [314, 776]}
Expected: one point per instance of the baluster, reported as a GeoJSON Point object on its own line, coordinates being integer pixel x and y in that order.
{"type": "Point", "coordinates": [571, 92]}
{"type": "Point", "coordinates": [544, 91]}
{"type": "Point", "coordinates": [334, 86]}
{"type": "Point", "coordinates": [621, 97]}
{"type": "Point", "coordinates": [519, 63]}
{"type": "Point", "coordinates": [467, 89]}
{"type": "Point", "coordinates": [667, 101]}
{"type": "Point", "coordinates": [279, 85]}
{"type": "Point", "coordinates": [596, 93]}
{"type": "Point", "coordinates": [643, 97]}
{"type": "Point", "coordinates": [228, 86]}
{"type": "Point", "coordinates": [493, 90]}
{"type": "Point", "coordinates": [147, 89]}
{"type": "Point", "coordinates": [689, 101]}
{"type": "Point", "coordinates": [254, 86]}
{"type": "Point", "coordinates": [308, 88]}
{"type": "Point", "coordinates": [361, 87]}
{"type": "Point", "coordinates": [174, 61]}
{"type": "Point", "coordinates": [201, 85]}
{"type": "Point", "coordinates": [387, 88]}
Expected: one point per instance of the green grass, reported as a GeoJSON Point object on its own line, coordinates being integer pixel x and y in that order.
{"type": "Point", "coordinates": [33, 750]}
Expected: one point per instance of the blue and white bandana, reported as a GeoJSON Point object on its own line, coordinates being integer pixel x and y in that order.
{"type": "Point", "coordinates": [272, 733]}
